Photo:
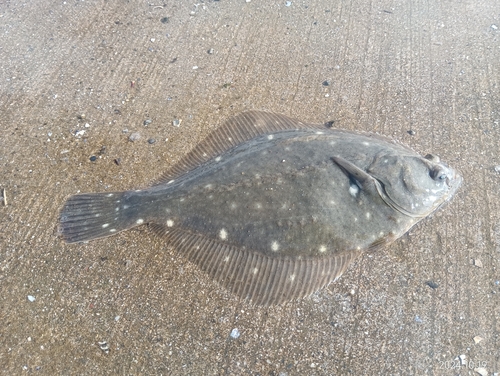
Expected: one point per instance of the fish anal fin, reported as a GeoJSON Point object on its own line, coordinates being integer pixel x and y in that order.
{"type": "Point", "coordinates": [382, 242]}
{"type": "Point", "coordinates": [252, 275]}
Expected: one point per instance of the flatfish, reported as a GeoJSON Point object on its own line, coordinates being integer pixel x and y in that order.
{"type": "Point", "coordinates": [272, 208]}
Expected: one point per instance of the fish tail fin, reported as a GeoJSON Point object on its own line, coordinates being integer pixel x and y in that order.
{"type": "Point", "coordinates": [94, 215]}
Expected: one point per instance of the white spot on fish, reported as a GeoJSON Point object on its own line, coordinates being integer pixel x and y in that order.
{"type": "Point", "coordinates": [125, 207]}
{"type": "Point", "coordinates": [368, 215]}
{"type": "Point", "coordinates": [109, 195]}
{"type": "Point", "coordinates": [171, 181]}
{"type": "Point", "coordinates": [258, 205]}
{"type": "Point", "coordinates": [208, 186]}
{"type": "Point", "coordinates": [319, 132]}
{"type": "Point", "coordinates": [270, 137]}
{"type": "Point", "coordinates": [226, 259]}
{"type": "Point", "coordinates": [182, 199]}
{"type": "Point", "coordinates": [233, 205]}
{"type": "Point", "coordinates": [366, 143]}
{"type": "Point", "coordinates": [97, 215]}
{"type": "Point", "coordinates": [170, 223]}
{"type": "Point", "coordinates": [292, 277]}
{"type": "Point", "coordinates": [353, 190]}
{"type": "Point", "coordinates": [140, 221]}
{"type": "Point", "coordinates": [217, 159]}
{"type": "Point", "coordinates": [322, 248]}
{"type": "Point", "coordinates": [255, 270]}
{"type": "Point", "coordinates": [332, 202]}
{"type": "Point", "coordinates": [117, 209]}
{"type": "Point", "coordinates": [275, 246]}
{"type": "Point", "coordinates": [223, 234]}
{"type": "Point", "coordinates": [105, 225]}
{"type": "Point", "coordinates": [355, 219]}
{"type": "Point", "coordinates": [112, 230]}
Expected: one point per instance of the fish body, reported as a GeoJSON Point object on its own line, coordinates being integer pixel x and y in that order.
{"type": "Point", "coordinates": [272, 208]}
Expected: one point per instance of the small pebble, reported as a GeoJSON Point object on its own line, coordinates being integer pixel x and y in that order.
{"type": "Point", "coordinates": [432, 284]}
{"type": "Point", "coordinates": [151, 141]}
{"type": "Point", "coordinates": [93, 158]}
{"type": "Point", "coordinates": [195, 67]}
{"type": "Point", "coordinates": [80, 133]}
{"type": "Point", "coordinates": [147, 122]}
{"type": "Point", "coordinates": [325, 83]}
{"type": "Point", "coordinates": [481, 370]}
{"type": "Point", "coordinates": [411, 132]}
{"type": "Point", "coordinates": [477, 339]}
{"type": "Point", "coordinates": [118, 161]}
{"type": "Point", "coordinates": [164, 20]}
{"type": "Point", "coordinates": [103, 150]}
{"type": "Point", "coordinates": [134, 137]}
{"type": "Point", "coordinates": [497, 168]}
{"type": "Point", "coordinates": [117, 318]}
{"type": "Point", "coordinates": [329, 124]}
{"type": "Point", "coordinates": [288, 3]}
{"type": "Point", "coordinates": [176, 122]}
{"type": "Point", "coordinates": [103, 346]}
{"type": "Point", "coordinates": [153, 40]}
{"type": "Point", "coordinates": [81, 117]}
{"type": "Point", "coordinates": [211, 51]}
{"type": "Point", "coordinates": [125, 130]}
{"type": "Point", "coordinates": [31, 298]}
{"type": "Point", "coordinates": [235, 333]}
{"type": "Point", "coordinates": [418, 319]}
{"type": "Point", "coordinates": [478, 263]}
{"type": "Point", "coordinates": [463, 359]}
{"type": "Point", "coordinates": [494, 27]}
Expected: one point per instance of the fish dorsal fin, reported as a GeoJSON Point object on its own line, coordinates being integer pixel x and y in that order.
{"type": "Point", "coordinates": [234, 131]}
{"type": "Point", "coordinates": [251, 275]}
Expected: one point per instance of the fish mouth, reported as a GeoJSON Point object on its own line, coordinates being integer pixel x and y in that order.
{"type": "Point", "coordinates": [454, 183]}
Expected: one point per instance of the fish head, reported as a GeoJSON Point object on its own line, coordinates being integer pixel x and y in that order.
{"type": "Point", "coordinates": [414, 185]}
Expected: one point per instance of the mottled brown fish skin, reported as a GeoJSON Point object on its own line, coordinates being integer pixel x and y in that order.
{"type": "Point", "coordinates": [274, 209]}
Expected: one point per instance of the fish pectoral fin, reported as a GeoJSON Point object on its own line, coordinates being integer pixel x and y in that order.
{"type": "Point", "coordinates": [363, 180]}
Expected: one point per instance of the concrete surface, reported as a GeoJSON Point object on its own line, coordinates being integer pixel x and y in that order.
{"type": "Point", "coordinates": [103, 67]}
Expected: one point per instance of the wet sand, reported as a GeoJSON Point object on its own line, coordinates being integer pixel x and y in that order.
{"type": "Point", "coordinates": [78, 78]}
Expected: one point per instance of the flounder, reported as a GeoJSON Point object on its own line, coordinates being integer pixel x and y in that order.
{"type": "Point", "coordinates": [272, 208]}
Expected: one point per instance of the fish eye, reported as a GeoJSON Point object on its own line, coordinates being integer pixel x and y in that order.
{"type": "Point", "coordinates": [438, 173]}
